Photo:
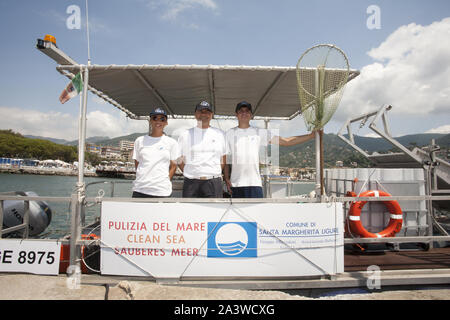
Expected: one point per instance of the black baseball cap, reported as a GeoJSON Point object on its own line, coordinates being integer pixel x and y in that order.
{"type": "Point", "coordinates": [158, 111]}
{"type": "Point", "coordinates": [203, 105]}
{"type": "Point", "coordinates": [244, 104]}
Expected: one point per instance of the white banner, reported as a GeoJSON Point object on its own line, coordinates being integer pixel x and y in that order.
{"type": "Point", "coordinates": [173, 240]}
{"type": "Point", "coordinates": [30, 256]}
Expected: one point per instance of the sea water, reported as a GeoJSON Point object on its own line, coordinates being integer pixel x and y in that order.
{"type": "Point", "coordinates": [65, 186]}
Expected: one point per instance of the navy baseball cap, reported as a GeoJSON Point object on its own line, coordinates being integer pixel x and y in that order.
{"type": "Point", "coordinates": [244, 104]}
{"type": "Point", "coordinates": [203, 105]}
{"type": "Point", "coordinates": [158, 111]}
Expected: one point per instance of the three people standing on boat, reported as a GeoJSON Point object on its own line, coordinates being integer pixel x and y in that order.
{"type": "Point", "coordinates": [203, 153]}
{"type": "Point", "coordinates": [155, 158]}
{"type": "Point", "coordinates": [202, 156]}
{"type": "Point", "coordinates": [243, 143]}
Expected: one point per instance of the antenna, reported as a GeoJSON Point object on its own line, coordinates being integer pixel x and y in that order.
{"type": "Point", "coordinates": [87, 33]}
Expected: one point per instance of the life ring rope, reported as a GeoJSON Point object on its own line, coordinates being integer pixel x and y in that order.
{"type": "Point", "coordinates": [354, 219]}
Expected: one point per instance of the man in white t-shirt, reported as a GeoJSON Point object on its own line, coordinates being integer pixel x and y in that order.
{"type": "Point", "coordinates": [202, 156]}
{"type": "Point", "coordinates": [243, 145]}
{"type": "Point", "coordinates": [155, 158]}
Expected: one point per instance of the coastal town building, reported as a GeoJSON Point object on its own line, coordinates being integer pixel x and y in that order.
{"type": "Point", "coordinates": [123, 152]}
{"type": "Point", "coordinates": [109, 152]}
{"type": "Point", "coordinates": [127, 155]}
{"type": "Point", "coordinates": [126, 150]}
{"type": "Point", "coordinates": [126, 145]}
{"type": "Point", "coordinates": [294, 173]}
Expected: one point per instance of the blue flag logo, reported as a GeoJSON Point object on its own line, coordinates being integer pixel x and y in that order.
{"type": "Point", "coordinates": [232, 239]}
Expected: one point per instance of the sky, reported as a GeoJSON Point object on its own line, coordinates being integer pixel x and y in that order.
{"type": "Point", "coordinates": [401, 48]}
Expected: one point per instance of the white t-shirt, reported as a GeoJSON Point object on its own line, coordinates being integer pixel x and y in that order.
{"type": "Point", "coordinates": [202, 150]}
{"type": "Point", "coordinates": [243, 154]}
{"type": "Point", "coordinates": [154, 156]}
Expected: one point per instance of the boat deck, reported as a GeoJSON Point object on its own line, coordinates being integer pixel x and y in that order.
{"type": "Point", "coordinates": [436, 258]}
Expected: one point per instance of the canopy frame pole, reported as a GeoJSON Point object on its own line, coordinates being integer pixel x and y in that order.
{"type": "Point", "coordinates": [212, 89]}
{"type": "Point", "coordinates": [272, 86]}
{"type": "Point", "coordinates": [155, 92]}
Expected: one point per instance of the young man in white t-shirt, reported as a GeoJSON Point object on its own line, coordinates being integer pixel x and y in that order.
{"type": "Point", "coordinates": [202, 156]}
{"type": "Point", "coordinates": [243, 143]}
{"type": "Point", "coordinates": [155, 158]}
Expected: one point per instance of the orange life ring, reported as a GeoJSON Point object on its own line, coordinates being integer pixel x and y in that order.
{"type": "Point", "coordinates": [395, 219]}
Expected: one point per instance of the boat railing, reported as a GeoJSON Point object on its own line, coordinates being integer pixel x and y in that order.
{"type": "Point", "coordinates": [112, 183]}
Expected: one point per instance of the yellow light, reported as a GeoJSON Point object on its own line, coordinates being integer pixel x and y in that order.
{"type": "Point", "coordinates": [50, 38]}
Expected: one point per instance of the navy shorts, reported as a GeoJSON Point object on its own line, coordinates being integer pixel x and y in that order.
{"type": "Point", "coordinates": [247, 192]}
{"type": "Point", "coordinates": [196, 188]}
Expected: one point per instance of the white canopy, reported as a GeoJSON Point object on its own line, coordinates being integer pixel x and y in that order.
{"type": "Point", "coordinates": [137, 89]}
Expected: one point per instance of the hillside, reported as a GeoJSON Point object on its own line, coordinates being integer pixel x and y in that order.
{"type": "Point", "coordinates": [335, 149]}
{"type": "Point", "coordinates": [304, 155]}
{"type": "Point", "coordinates": [115, 141]}
{"type": "Point", "coordinates": [14, 145]}
{"type": "Point", "coordinates": [444, 141]}
{"type": "Point", "coordinates": [69, 143]}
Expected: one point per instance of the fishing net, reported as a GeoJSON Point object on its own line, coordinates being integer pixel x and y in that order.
{"type": "Point", "coordinates": [322, 72]}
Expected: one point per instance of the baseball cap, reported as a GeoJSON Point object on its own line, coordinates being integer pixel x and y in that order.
{"type": "Point", "coordinates": [203, 105]}
{"type": "Point", "coordinates": [158, 111]}
{"type": "Point", "coordinates": [244, 104]}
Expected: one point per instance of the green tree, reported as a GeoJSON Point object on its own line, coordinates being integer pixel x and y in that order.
{"type": "Point", "coordinates": [14, 145]}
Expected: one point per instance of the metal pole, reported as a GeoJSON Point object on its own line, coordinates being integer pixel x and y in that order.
{"type": "Point", "coordinates": [317, 135]}
{"type": "Point", "coordinates": [322, 191]}
{"type": "Point", "coordinates": [81, 189]}
{"type": "Point", "coordinates": [267, 189]}
{"type": "Point", "coordinates": [429, 203]}
{"type": "Point", "coordinates": [318, 178]}
{"type": "Point", "coordinates": [1, 219]}
{"type": "Point", "coordinates": [87, 34]}
{"type": "Point", "coordinates": [434, 185]}
{"type": "Point", "coordinates": [82, 128]}
{"type": "Point", "coordinates": [75, 234]}
{"type": "Point", "coordinates": [76, 208]}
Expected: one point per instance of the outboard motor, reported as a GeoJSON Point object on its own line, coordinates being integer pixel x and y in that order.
{"type": "Point", "coordinates": [40, 213]}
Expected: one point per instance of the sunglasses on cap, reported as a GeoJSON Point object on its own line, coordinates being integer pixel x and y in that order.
{"type": "Point", "coordinates": [158, 118]}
